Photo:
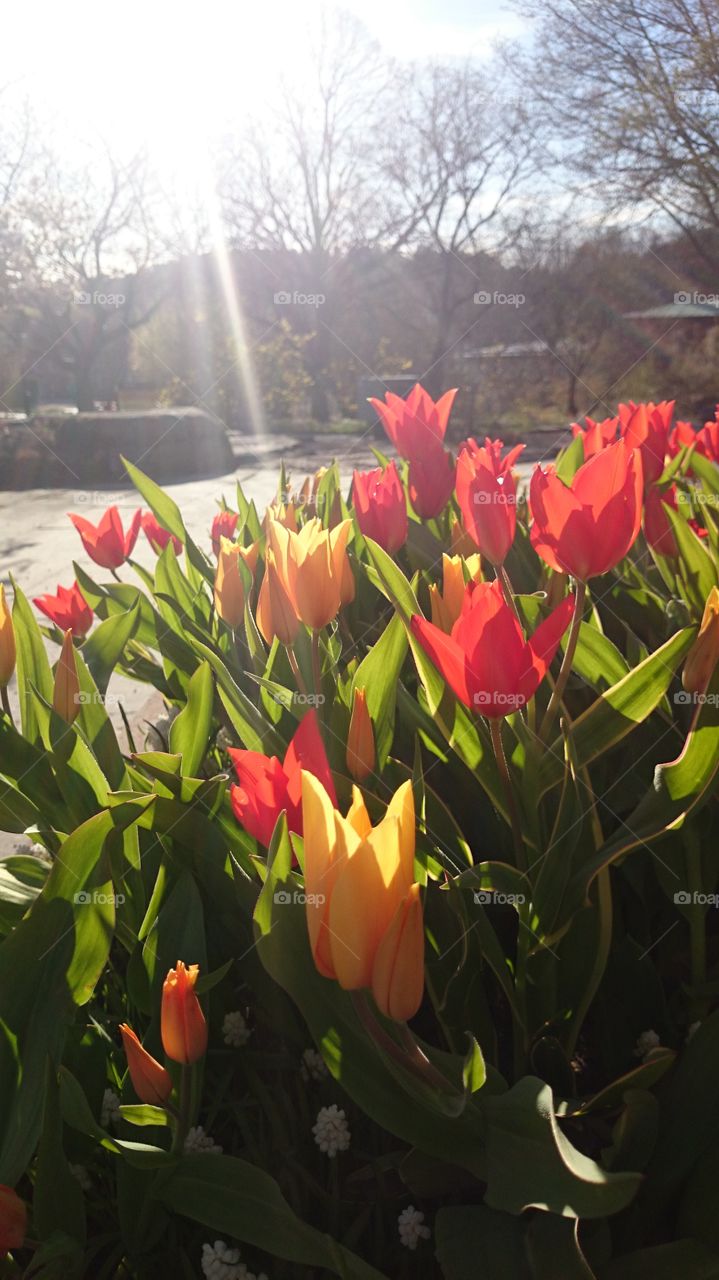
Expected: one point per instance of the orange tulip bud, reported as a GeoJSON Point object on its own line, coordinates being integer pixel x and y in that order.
{"type": "Point", "coordinates": [361, 756]}
{"type": "Point", "coordinates": [13, 1220]}
{"type": "Point", "coordinates": [229, 582]}
{"type": "Point", "coordinates": [356, 878]}
{"type": "Point", "coordinates": [182, 1022]}
{"type": "Point", "coordinates": [7, 640]}
{"type": "Point", "coordinates": [704, 653]}
{"type": "Point", "coordinates": [66, 693]}
{"type": "Point", "coordinates": [276, 615]}
{"type": "Point", "coordinates": [447, 605]}
{"type": "Point", "coordinates": [150, 1080]}
{"type": "Point", "coordinates": [398, 969]}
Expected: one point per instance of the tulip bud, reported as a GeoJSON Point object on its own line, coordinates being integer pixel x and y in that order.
{"type": "Point", "coordinates": [66, 693]}
{"type": "Point", "coordinates": [276, 614]}
{"type": "Point", "coordinates": [398, 969]}
{"type": "Point", "coordinates": [150, 1080]}
{"type": "Point", "coordinates": [182, 1022]}
{"type": "Point", "coordinates": [229, 584]}
{"type": "Point", "coordinates": [704, 653]}
{"type": "Point", "coordinates": [13, 1220]}
{"type": "Point", "coordinates": [361, 756]}
{"type": "Point", "coordinates": [7, 641]}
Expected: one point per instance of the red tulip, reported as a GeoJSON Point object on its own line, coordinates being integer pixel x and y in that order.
{"type": "Point", "coordinates": [68, 610]}
{"type": "Point", "coordinates": [587, 527]}
{"type": "Point", "coordinates": [224, 525]}
{"type": "Point", "coordinates": [487, 496]}
{"type": "Point", "coordinates": [182, 1023]}
{"type": "Point", "coordinates": [596, 435]}
{"type": "Point", "coordinates": [158, 537]}
{"type": "Point", "coordinates": [431, 481]}
{"type": "Point", "coordinates": [417, 422]}
{"type": "Point", "coordinates": [485, 659]}
{"type": "Point", "coordinates": [708, 439]}
{"type": "Point", "coordinates": [657, 529]}
{"type": "Point", "coordinates": [106, 543]}
{"type": "Point", "coordinates": [646, 427]}
{"type": "Point", "coordinates": [266, 787]}
{"type": "Point", "coordinates": [681, 436]}
{"type": "Point", "coordinates": [13, 1220]}
{"type": "Point", "coordinates": [380, 506]}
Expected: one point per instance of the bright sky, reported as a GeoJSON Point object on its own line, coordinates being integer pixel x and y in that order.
{"type": "Point", "coordinates": [173, 75]}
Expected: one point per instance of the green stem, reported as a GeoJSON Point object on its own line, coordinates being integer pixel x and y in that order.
{"type": "Point", "coordinates": [183, 1109]}
{"type": "Point", "coordinates": [566, 667]}
{"type": "Point", "coordinates": [316, 664]}
{"type": "Point", "coordinates": [508, 591]}
{"type": "Point", "coordinates": [521, 1029]}
{"type": "Point", "coordinates": [6, 703]}
{"type": "Point", "coordinates": [408, 1054]}
{"type": "Point", "coordinates": [495, 730]}
{"type": "Point", "coordinates": [295, 668]}
{"type": "Point", "coordinates": [604, 908]}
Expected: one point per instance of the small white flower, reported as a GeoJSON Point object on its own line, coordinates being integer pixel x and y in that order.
{"type": "Point", "coordinates": [110, 1111]}
{"type": "Point", "coordinates": [332, 1133]}
{"type": "Point", "coordinates": [647, 1041]}
{"type": "Point", "coordinates": [313, 1066]}
{"type": "Point", "coordinates": [79, 1172]}
{"type": "Point", "coordinates": [221, 1262]}
{"type": "Point", "coordinates": [411, 1228]}
{"type": "Point", "coordinates": [198, 1142]}
{"type": "Point", "coordinates": [235, 1030]}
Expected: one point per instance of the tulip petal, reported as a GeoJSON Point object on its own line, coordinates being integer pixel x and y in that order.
{"type": "Point", "coordinates": [398, 970]}
{"type": "Point", "coordinates": [543, 645]}
{"type": "Point", "coordinates": [447, 656]}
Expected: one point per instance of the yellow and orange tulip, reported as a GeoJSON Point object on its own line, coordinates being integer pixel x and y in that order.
{"type": "Point", "coordinates": [7, 640]}
{"type": "Point", "coordinates": [364, 914]}
{"type": "Point", "coordinates": [66, 691]}
{"type": "Point", "coordinates": [276, 614]}
{"type": "Point", "coordinates": [229, 592]}
{"type": "Point", "coordinates": [312, 567]}
{"type": "Point", "coordinates": [704, 653]}
{"type": "Point", "coordinates": [446, 604]}
{"type": "Point", "coordinates": [182, 1022]}
{"type": "Point", "coordinates": [361, 756]}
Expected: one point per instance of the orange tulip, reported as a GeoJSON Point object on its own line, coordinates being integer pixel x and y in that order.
{"type": "Point", "coordinates": [704, 653]}
{"type": "Point", "coordinates": [150, 1080]}
{"type": "Point", "coordinates": [229, 582]}
{"type": "Point", "coordinates": [66, 693]}
{"type": "Point", "coordinates": [361, 756]}
{"type": "Point", "coordinates": [447, 604]}
{"type": "Point", "coordinates": [276, 615]}
{"type": "Point", "coordinates": [311, 566]}
{"type": "Point", "coordinates": [182, 1022]}
{"type": "Point", "coordinates": [13, 1220]}
{"type": "Point", "coordinates": [7, 641]}
{"type": "Point", "coordinates": [362, 901]}
{"type": "Point", "coordinates": [284, 513]}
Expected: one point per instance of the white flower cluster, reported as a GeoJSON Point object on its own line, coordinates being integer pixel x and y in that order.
{"type": "Point", "coordinates": [235, 1030]}
{"type": "Point", "coordinates": [411, 1229]}
{"type": "Point", "coordinates": [220, 1262]}
{"type": "Point", "coordinates": [198, 1142]}
{"type": "Point", "coordinates": [110, 1110]}
{"type": "Point", "coordinates": [647, 1041]}
{"type": "Point", "coordinates": [313, 1066]}
{"type": "Point", "coordinates": [332, 1133]}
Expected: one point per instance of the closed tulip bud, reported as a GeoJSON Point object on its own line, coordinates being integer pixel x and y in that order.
{"type": "Point", "coordinates": [150, 1080]}
{"type": "Point", "coordinates": [229, 582]}
{"type": "Point", "coordinates": [66, 693]}
{"type": "Point", "coordinates": [398, 969]}
{"type": "Point", "coordinates": [7, 641]}
{"type": "Point", "coordinates": [182, 1022]}
{"type": "Point", "coordinates": [704, 653]}
{"type": "Point", "coordinates": [276, 614]}
{"type": "Point", "coordinates": [13, 1220]}
{"type": "Point", "coordinates": [361, 756]}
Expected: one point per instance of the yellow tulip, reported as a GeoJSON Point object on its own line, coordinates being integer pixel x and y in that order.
{"type": "Point", "coordinates": [276, 614]}
{"type": "Point", "coordinates": [704, 653]}
{"type": "Point", "coordinates": [362, 901]}
{"type": "Point", "coordinates": [7, 641]}
{"type": "Point", "coordinates": [284, 513]}
{"type": "Point", "coordinates": [310, 565]}
{"type": "Point", "coordinates": [229, 585]}
{"type": "Point", "coordinates": [361, 756]}
{"type": "Point", "coordinates": [66, 692]}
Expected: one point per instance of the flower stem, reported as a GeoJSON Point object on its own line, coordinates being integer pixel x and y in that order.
{"type": "Point", "coordinates": [508, 591]}
{"type": "Point", "coordinates": [295, 668]}
{"type": "Point", "coordinates": [316, 665]}
{"type": "Point", "coordinates": [184, 1104]}
{"type": "Point", "coordinates": [6, 702]}
{"type": "Point", "coordinates": [408, 1054]}
{"type": "Point", "coordinates": [495, 730]}
{"type": "Point", "coordinates": [556, 698]}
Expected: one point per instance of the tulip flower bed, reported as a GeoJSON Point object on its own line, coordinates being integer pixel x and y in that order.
{"type": "Point", "coordinates": [395, 953]}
